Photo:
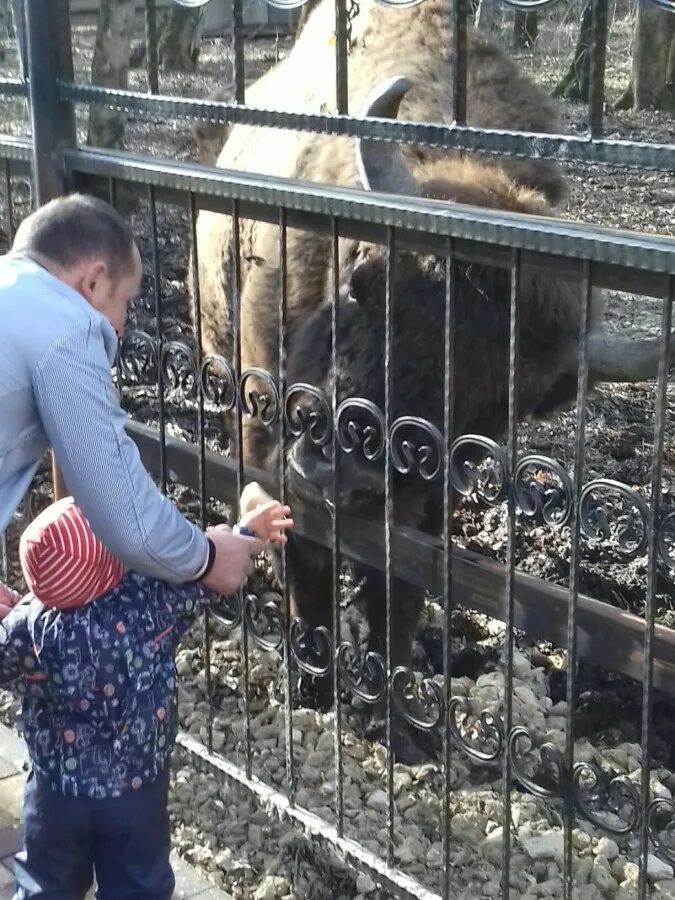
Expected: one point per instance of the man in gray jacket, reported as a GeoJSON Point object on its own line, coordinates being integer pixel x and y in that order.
{"type": "Point", "coordinates": [65, 289]}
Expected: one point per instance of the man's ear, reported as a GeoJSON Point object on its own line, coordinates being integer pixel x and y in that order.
{"type": "Point", "coordinates": [90, 279]}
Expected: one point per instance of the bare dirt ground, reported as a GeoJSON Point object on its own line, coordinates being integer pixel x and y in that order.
{"type": "Point", "coordinates": [231, 837]}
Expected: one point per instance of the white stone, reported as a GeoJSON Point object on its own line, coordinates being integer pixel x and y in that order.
{"type": "Point", "coordinates": [364, 883]}
{"type": "Point", "coordinates": [377, 800]}
{"type": "Point", "coordinates": [608, 848]}
{"type": "Point", "coordinates": [548, 845]}
{"type": "Point", "coordinates": [657, 870]}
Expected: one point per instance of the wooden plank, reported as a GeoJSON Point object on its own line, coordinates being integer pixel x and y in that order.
{"type": "Point", "coordinates": [609, 637]}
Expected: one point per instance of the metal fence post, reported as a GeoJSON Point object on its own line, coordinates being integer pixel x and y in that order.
{"type": "Point", "coordinates": [50, 58]}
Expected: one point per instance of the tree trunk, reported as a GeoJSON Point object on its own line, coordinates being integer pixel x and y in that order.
{"type": "Point", "coordinates": [489, 16]}
{"type": "Point", "coordinates": [525, 29]}
{"type": "Point", "coordinates": [179, 40]}
{"type": "Point", "coordinates": [653, 52]}
{"type": "Point", "coordinates": [576, 84]}
{"type": "Point", "coordinates": [110, 68]}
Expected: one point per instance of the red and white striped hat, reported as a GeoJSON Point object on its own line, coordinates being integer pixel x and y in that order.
{"type": "Point", "coordinates": [64, 563]}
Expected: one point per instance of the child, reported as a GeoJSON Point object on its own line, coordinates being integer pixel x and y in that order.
{"type": "Point", "coordinates": [91, 651]}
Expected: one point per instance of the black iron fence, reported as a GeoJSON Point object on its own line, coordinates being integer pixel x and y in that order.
{"type": "Point", "coordinates": [402, 449]}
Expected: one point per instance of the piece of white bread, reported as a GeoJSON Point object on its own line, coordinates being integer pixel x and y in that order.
{"type": "Point", "coordinates": [251, 497]}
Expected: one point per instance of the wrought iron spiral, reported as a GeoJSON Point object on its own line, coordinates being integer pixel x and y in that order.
{"type": "Point", "coordinates": [661, 827]}
{"type": "Point", "coordinates": [360, 425]}
{"type": "Point", "coordinates": [543, 490]}
{"type": "Point", "coordinates": [416, 446]}
{"type": "Point", "coordinates": [418, 700]}
{"type": "Point", "coordinates": [180, 372]}
{"type": "Point", "coordinates": [264, 621]}
{"type": "Point", "coordinates": [362, 674]}
{"type": "Point", "coordinates": [312, 648]}
{"type": "Point", "coordinates": [256, 404]}
{"type": "Point", "coordinates": [484, 473]}
{"type": "Point", "coordinates": [228, 611]}
{"type": "Point", "coordinates": [218, 382]}
{"type": "Point", "coordinates": [549, 779]}
{"type": "Point", "coordinates": [666, 539]}
{"type": "Point", "coordinates": [313, 418]}
{"type": "Point", "coordinates": [486, 741]}
{"type": "Point", "coordinates": [34, 502]}
{"type": "Point", "coordinates": [596, 796]}
{"type": "Point", "coordinates": [138, 357]}
{"type": "Point", "coordinates": [612, 512]}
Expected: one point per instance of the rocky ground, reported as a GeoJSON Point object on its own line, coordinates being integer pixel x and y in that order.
{"type": "Point", "coordinates": [234, 838]}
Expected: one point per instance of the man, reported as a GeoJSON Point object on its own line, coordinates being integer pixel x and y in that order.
{"type": "Point", "coordinates": [65, 288]}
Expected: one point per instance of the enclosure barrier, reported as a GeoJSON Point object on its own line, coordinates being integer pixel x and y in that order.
{"type": "Point", "coordinates": [601, 512]}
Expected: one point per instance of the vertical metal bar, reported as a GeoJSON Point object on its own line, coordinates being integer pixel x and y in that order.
{"type": "Point", "coordinates": [52, 119]}
{"type": "Point", "coordinates": [236, 335]}
{"type": "Point", "coordinates": [50, 58]}
{"type": "Point", "coordinates": [598, 60]}
{"type": "Point", "coordinates": [575, 563]}
{"type": "Point", "coordinates": [512, 451]}
{"type": "Point", "coordinates": [288, 660]}
{"type": "Point", "coordinates": [4, 559]}
{"type": "Point", "coordinates": [157, 292]}
{"type": "Point", "coordinates": [337, 623]}
{"type": "Point", "coordinates": [652, 563]}
{"type": "Point", "coordinates": [341, 58]}
{"type": "Point", "coordinates": [448, 433]}
{"type": "Point", "coordinates": [388, 516]}
{"type": "Point", "coordinates": [151, 47]}
{"type": "Point", "coordinates": [112, 192]}
{"type": "Point", "coordinates": [201, 437]}
{"type": "Point", "coordinates": [10, 207]}
{"type": "Point", "coordinates": [238, 51]}
{"type": "Point", "coordinates": [461, 62]}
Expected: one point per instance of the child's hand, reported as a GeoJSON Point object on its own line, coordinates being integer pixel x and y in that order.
{"type": "Point", "coordinates": [8, 600]}
{"type": "Point", "coordinates": [269, 522]}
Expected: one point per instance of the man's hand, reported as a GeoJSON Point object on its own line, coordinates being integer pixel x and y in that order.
{"type": "Point", "coordinates": [233, 559]}
{"type": "Point", "coordinates": [8, 600]}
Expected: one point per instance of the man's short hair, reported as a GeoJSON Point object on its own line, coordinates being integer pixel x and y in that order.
{"type": "Point", "coordinates": [76, 228]}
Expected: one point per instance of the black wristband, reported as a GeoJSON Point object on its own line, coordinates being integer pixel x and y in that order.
{"type": "Point", "coordinates": [212, 559]}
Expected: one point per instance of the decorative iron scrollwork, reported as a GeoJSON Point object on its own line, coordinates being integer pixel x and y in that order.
{"type": "Point", "coordinates": [666, 539]}
{"type": "Point", "coordinates": [362, 674]}
{"type": "Point", "coordinates": [543, 490]}
{"type": "Point", "coordinates": [360, 425]}
{"type": "Point", "coordinates": [313, 417]}
{"type": "Point", "coordinates": [612, 804]}
{"type": "Point", "coordinates": [482, 738]}
{"type": "Point", "coordinates": [138, 357]}
{"type": "Point", "coordinates": [218, 382]}
{"type": "Point", "coordinates": [419, 700]}
{"type": "Point", "coordinates": [478, 465]}
{"type": "Point", "coordinates": [227, 611]}
{"type": "Point", "coordinates": [312, 648]}
{"type": "Point", "coordinates": [661, 827]}
{"type": "Point", "coordinates": [180, 372]}
{"type": "Point", "coordinates": [34, 502]}
{"type": "Point", "coordinates": [612, 512]}
{"type": "Point", "coordinates": [256, 403]}
{"type": "Point", "coordinates": [264, 621]}
{"type": "Point", "coordinates": [416, 446]}
{"type": "Point", "coordinates": [545, 778]}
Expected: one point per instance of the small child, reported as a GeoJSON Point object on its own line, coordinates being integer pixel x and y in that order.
{"type": "Point", "coordinates": [91, 652]}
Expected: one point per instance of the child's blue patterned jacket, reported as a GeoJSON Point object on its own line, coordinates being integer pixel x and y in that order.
{"type": "Point", "coordinates": [98, 683]}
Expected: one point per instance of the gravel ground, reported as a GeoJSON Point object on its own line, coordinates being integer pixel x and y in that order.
{"type": "Point", "coordinates": [227, 833]}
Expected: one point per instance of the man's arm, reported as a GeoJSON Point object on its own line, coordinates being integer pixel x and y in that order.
{"type": "Point", "coordinates": [101, 465]}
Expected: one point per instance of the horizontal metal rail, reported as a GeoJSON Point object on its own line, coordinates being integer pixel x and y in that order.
{"type": "Point", "coordinates": [15, 149]}
{"type": "Point", "coordinates": [609, 637]}
{"type": "Point", "coordinates": [623, 259]}
{"type": "Point", "coordinates": [524, 145]}
{"type": "Point", "coordinates": [326, 836]}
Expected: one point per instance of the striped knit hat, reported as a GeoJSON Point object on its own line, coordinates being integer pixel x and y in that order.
{"type": "Point", "coordinates": [64, 564]}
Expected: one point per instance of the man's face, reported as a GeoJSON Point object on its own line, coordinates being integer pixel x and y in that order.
{"type": "Point", "coordinates": [111, 296]}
